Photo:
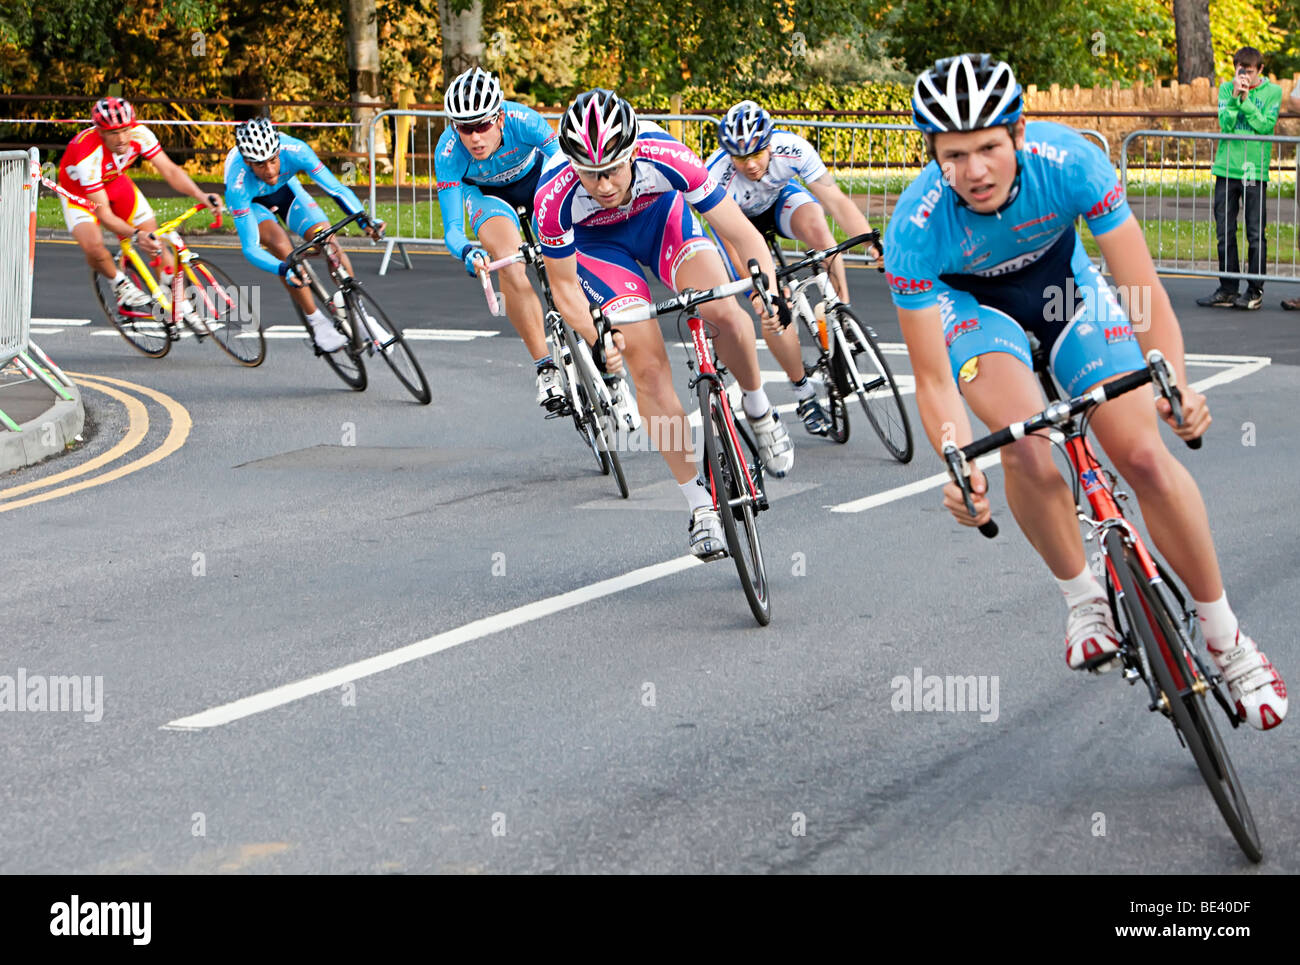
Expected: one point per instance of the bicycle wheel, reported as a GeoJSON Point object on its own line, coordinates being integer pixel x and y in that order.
{"type": "Point", "coordinates": [346, 362]}
{"type": "Point", "coordinates": [228, 314]}
{"type": "Point", "coordinates": [1149, 618]}
{"type": "Point", "coordinates": [839, 412]}
{"type": "Point", "coordinates": [145, 333]}
{"type": "Point", "coordinates": [575, 396]}
{"type": "Point", "coordinates": [600, 411]}
{"type": "Point", "coordinates": [735, 502]}
{"type": "Point", "coordinates": [389, 342]}
{"type": "Point", "coordinates": [878, 391]}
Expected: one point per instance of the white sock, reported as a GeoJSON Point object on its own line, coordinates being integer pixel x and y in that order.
{"type": "Point", "coordinates": [803, 389]}
{"type": "Point", "coordinates": [318, 318]}
{"type": "Point", "coordinates": [1081, 589]}
{"type": "Point", "coordinates": [755, 403]}
{"type": "Point", "coordinates": [1218, 622]}
{"type": "Point", "coordinates": [696, 493]}
{"type": "Point", "coordinates": [119, 277]}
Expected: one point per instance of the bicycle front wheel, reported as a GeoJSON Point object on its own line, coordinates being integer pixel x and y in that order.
{"type": "Point", "coordinates": [144, 333]}
{"type": "Point", "coordinates": [1147, 613]}
{"type": "Point", "coordinates": [877, 389]}
{"type": "Point", "coordinates": [600, 412]}
{"type": "Point", "coordinates": [228, 313]}
{"type": "Point", "coordinates": [378, 330]}
{"type": "Point", "coordinates": [737, 503]}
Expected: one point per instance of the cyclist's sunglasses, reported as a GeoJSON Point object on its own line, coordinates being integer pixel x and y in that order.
{"type": "Point", "coordinates": [741, 158]}
{"type": "Point", "coordinates": [478, 127]}
{"type": "Point", "coordinates": [601, 173]}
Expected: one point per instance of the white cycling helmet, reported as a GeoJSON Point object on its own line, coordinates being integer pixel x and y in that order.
{"type": "Point", "coordinates": [257, 140]}
{"type": "Point", "coordinates": [473, 95]}
{"type": "Point", "coordinates": [968, 92]}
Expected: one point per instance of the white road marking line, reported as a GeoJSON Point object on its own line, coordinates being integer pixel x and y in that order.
{"type": "Point", "coordinates": [279, 696]}
{"type": "Point", "coordinates": [412, 334]}
{"type": "Point", "coordinates": [1247, 365]}
{"type": "Point", "coordinates": [61, 321]}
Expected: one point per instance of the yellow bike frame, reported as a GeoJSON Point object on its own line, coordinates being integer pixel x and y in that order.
{"type": "Point", "coordinates": [181, 258]}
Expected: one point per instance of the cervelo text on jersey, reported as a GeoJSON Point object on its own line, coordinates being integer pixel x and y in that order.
{"type": "Point", "coordinates": [1062, 176]}
{"type": "Point", "coordinates": [242, 186]}
{"type": "Point", "coordinates": [526, 138]}
{"type": "Point", "coordinates": [660, 164]}
{"type": "Point", "coordinates": [87, 164]}
{"type": "Point", "coordinates": [791, 156]}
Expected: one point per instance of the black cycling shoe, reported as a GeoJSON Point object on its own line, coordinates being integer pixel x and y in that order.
{"type": "Point", "coordinates": [814, 417]}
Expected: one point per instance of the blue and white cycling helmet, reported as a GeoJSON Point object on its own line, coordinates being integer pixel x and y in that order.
{"type": "Point", "coordinates": [968, 92]}
{"type": "Point", "coordinates": [746, 129]}
{"type": "Point", "coordinates": [257, 140]}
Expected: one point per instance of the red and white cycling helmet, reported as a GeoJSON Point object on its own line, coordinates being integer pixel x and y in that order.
{"type": "Point", "coordinates": [112, 114]}
{"type": "Point", "coordinates": [598, 130]}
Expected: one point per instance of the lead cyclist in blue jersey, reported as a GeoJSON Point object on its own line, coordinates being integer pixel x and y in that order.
{"type": "Point", "coordinates": [487, 164]}
{"type": "Point", "coordinates": [979, 251]}
{"type": "Point", "coordinates": [261, 186]}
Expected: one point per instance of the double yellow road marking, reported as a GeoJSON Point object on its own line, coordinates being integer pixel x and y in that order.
{"type": "Point", "coordinates": [137, 430]}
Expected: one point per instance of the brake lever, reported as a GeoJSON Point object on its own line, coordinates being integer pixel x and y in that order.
{"type": "Point", "coordinates": [959, 470]}
{"type": "Point", "coordinates": [1163, 375]}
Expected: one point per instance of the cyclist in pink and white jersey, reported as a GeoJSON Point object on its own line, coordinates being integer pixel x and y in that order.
{"type": "Point", "coordinates": [619, 196]}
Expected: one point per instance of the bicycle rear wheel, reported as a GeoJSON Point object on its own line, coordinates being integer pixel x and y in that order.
{"type": "Point", "coordinates": [736, 504]}
{"type": "Point", "coordinates": [389, 342]}
{"type": "Point", "coordinates": [836, 375]}
{"type": "Point", "coordinates": [346, 362]}
{"type": "Point", "coordinates": [228, 314]}
{"type": "Point", "coordinates": [1147, 612]}
{"type": "Point", "coordinates": [879, 395]}
{"type": "Point", "coordinates": [144, 333]}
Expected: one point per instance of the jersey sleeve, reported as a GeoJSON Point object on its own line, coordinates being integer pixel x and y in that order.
{"type": "Point", "coordinates": [83, 164]}
{"type": "Point", "coordinates": [448, 170]}
{"type": "Point", "coordinates": [305, 161]}
{"type": "Point", "coordinates": [911, 269]}
{"type": "Point", "coordinates": [539, 133]}
{"type": "Point", "coordinates": [810, 166]}
{"type": "Point", "coordinates": [720, 168]}
{"type": "Point", "coordinates": [553, 209]}
{"type": "Point", "coordinates": [239, 204]}
{"type": "Point", "coordinates": [681, 166]}
{"type": "Point", "coordinates": [145, 142]}
{"type": "Point", "coordinates": [1095, 190]}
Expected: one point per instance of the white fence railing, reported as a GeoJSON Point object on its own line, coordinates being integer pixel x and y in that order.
{"type": "Point", "coordinates": [1171, 186]}
{"type": "Point", "coordinates": [19, 173]}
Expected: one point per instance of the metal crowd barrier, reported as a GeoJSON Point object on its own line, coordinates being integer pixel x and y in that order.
{"type": "Point", "coordinates": [19, 178]}
{"type": "Point", "coordinates": [1177, 211]}
{"type": "Point", "coordinates": [872, 162]}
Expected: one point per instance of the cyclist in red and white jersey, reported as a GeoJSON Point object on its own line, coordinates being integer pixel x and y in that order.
{"type": "Point", "coordinates": [760, 166]}
{"type": "Point", "coordinates": [94, 167]}
{"type": "Point", "coordinates": [618, 197]}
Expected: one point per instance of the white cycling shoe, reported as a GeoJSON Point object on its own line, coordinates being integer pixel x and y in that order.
{"type": "Point", "coordinates": [549, 392]}
{"type": "Point", "coordinates": [128, 295]}
{"type": "Point", "coordinates": [774, 446]}
{"type": "Point", "coordinates": [707, 540]}
{"type": "Point", "coordinates": [327, 337]}
{"type": "Point", "coordinates": [1256, 686]}
{"type": "Point", "coordinates": [1091, 642]}
{"type": "Point", "coordinates": [625, 407]}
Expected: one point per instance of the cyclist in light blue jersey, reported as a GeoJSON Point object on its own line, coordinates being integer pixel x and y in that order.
{"type": "Point", "coordinates": [261, 187]}
{"type": "Point", "coordinates": [981, 250]}
{"type": "Point", "coordinates": [487, 164]}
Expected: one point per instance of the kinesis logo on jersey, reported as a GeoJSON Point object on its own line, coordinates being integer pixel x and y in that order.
{"type": "Point", "coordinates": [1112, 200]}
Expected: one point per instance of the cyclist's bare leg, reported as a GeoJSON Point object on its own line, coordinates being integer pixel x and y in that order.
{"type": "Point", "coordinates": [1172, 508]}
{"type": "Point", "coordinates": [1006, 391]}
{"type": "Point", "coordinates": [91, 239]}
{"type": "Point", "coordinates": [810, 227]}
{"type": "Point", "coordinates": [665, 420]}
{"type": "Point", "coordinates": [276, 240]}
{"type": "Point", "coordinates": [501, 238]}
{"type": "Point", "coordinates": [734, 338]}
{"type": "Point", "coordinates": [784, 346]}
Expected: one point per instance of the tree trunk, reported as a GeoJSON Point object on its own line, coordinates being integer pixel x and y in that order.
{"type": "Point", "coordinates": [1192, 31]}
{"type": "Point", "coordinates": [462, 36]}
{"type": "Point", "coordinates": [363, 81]}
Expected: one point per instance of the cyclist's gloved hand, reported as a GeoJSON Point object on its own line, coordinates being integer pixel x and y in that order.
{"type": "Point", "coordinates": [955, 504]}
{"type": "Point", "coordinates": [287, 273]}
{"type": "Point", "coordinates": [471, 256]}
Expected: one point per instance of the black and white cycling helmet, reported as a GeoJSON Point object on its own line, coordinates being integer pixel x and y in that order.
{"type": "Point", "coordinates": [968, 92]}
{"type": "Point", "coordinates": [746, 129]}
{"type": "Point", "coordinates": [472, 96]}
{"type": "Point", "coordinates": [598, 130]}
{"type": "Point", "coordinates": [257, 140]}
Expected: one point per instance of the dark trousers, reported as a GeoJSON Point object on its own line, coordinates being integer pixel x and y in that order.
{"type": "Point", "coordinates": [1229, 193]}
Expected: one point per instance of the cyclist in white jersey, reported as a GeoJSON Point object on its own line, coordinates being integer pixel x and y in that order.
{"type": "Point", "coordinates": [760, 167]}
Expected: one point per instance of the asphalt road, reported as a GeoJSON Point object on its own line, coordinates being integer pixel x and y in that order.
{"type": "Point", "coordinates": [301, 529]}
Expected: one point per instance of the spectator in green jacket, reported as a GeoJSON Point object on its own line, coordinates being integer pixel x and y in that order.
{"type": "Point", "coordinates": [1293, 304]}
{"type": "Point", "coordinates": [1248, 104]}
